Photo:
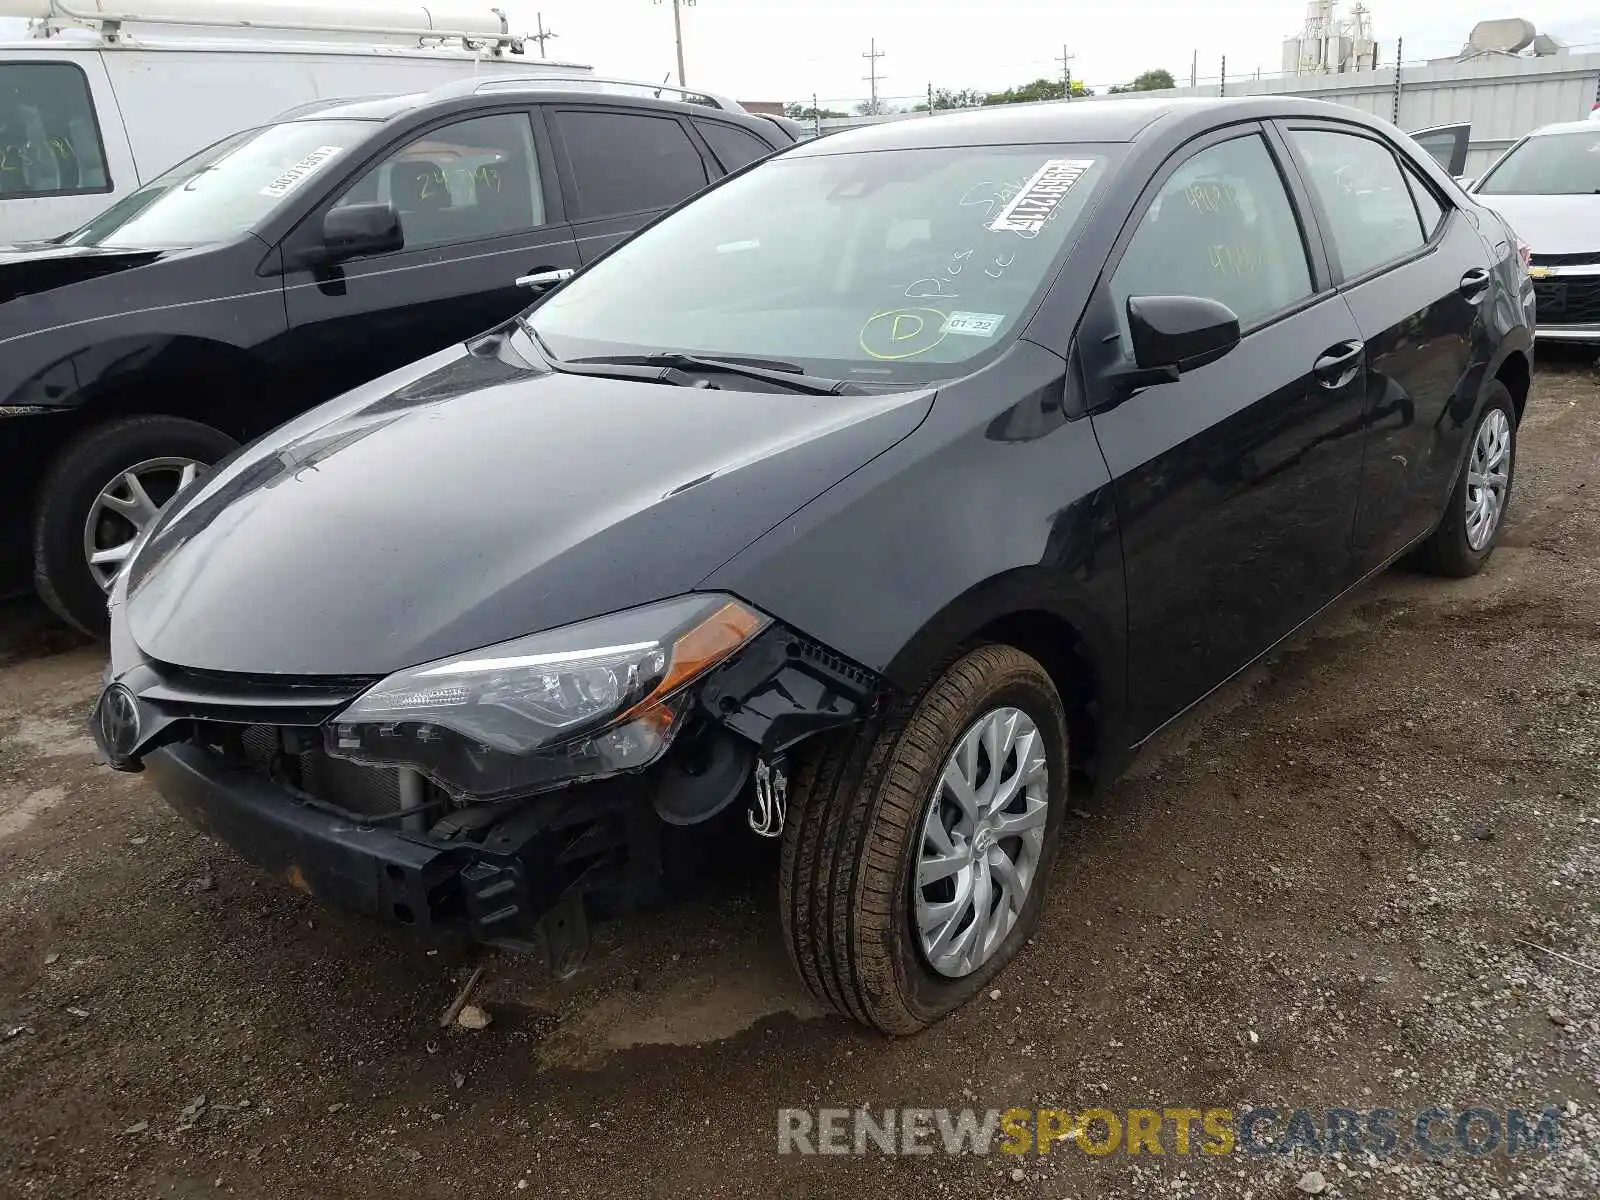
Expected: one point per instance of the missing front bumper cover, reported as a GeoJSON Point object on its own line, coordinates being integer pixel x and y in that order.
{"type": "Point", "coordinates": [523, 886]}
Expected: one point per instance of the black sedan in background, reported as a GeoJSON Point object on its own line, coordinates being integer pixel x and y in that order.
{"type": "Point", "coordinates": [287, 264]}
{"type": "Point", "coordinates": [883, 497]}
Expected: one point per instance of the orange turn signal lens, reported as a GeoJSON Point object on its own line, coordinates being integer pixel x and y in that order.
{"type": "Point", "coordinates": [703, 647]}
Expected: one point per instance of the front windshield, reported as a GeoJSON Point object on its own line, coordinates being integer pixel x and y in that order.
{"type": "Point", "coordinates": [903, 265]}
{"type": "Point", "coordinates": [225, 189]}
{"type": "Point", "coordinates": [1557, 164]}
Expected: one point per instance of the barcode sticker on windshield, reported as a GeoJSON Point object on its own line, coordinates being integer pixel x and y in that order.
{"type": "Point", "coordinates": [303, 170]}
{"type": "Point", "coordinates": [1031, 207]}
{"type": "Point", "coordinates": [973, 324]}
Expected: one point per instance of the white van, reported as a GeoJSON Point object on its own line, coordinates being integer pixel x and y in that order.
{"type": "Point", "coordinates": [95, 102]}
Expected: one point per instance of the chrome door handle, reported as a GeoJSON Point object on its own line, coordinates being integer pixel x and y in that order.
{"type": "Point", "coordinates": [546, 278]}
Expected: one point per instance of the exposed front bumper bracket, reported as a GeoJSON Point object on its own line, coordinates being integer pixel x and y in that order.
{"type": "Point", "coordinates": [523, 887]}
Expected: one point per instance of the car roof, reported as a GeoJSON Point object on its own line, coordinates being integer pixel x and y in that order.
{"type": "Point", "coordinates": [1567, 127]}
{"type": "Point", "coordinates": [357, 108]}
{"type": "Point", "coordinates": [385, 108]}
{"type": "Point", "coordinates": [1107, 120]}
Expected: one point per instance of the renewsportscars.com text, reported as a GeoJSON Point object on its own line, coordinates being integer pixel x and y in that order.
{"type": "Point", "coordinates": [1436, 1132]}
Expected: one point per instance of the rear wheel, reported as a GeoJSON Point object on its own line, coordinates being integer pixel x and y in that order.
{"type": "Point", "coordinates": [918, 850]}
{"type": "Point", "coordinates": [104, 489]}
{"type": "Point", "coordinates": [1475, 514]}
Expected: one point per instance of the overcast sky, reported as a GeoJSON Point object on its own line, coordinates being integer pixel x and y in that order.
{"type": "Point", "coordinates": [786, 50]}
{"type": "Point", "coordinates": [782, 50]}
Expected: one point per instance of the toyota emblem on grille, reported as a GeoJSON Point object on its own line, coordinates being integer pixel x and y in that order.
{"type": "Point", "coordinates": [119, 720]}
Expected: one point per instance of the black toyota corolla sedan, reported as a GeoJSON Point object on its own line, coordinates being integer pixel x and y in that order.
{"type": "Point", "coordinates": [885, 499]}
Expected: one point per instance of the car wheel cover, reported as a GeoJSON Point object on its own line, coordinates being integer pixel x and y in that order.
{"type": "Point", "coordinates": [126, 506]}
{"type": "Point", "coordinates": [981, 842]}
{"type": "Point", "coordinates": [1488, 478]}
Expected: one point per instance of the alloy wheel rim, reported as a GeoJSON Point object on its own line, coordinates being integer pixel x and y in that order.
{"type": "Point", "coordinates": [981, 841]}
{"type": "Point", "coordinates": [125, 508]}
{"type": "Point", "coordinates": [1488, 478]}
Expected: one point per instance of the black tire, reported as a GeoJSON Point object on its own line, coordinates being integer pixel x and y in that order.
{"type": "Point", "coordinates": [85, 466]}
{"type": "Point", "coordinates": [855, 816]}
{"type": "Point", "coordinates": [1447, 551]}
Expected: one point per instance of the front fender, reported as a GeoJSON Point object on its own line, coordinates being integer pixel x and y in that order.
{"type": "Point", "coordinates": [989, 510]}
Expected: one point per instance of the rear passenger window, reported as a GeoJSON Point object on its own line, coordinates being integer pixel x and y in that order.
{"type": "Point", "coordinates": [1371, 214]}
{"type": "Point", "coordinates": [1222, 228]}
{"type": "Point", "coordinates": [628, 162]}
{"type": "Point", "coordinates": [735, 147]}
{"type": "Point", "coordinates": [49, 140]}
{"type": "Point", "coordinates": [1427, 207]}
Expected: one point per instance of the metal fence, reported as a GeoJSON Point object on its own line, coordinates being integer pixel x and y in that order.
{"type": "Point", "coordinates": [1503, 97]}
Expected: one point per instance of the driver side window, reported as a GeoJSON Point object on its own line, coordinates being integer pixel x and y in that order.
{"type": "Point", "coordinates": [1222, 227]}
{"type": "Point", "coordinates": [475, 179]}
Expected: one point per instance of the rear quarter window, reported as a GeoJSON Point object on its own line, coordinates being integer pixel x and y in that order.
{"type": "Point", "coordinates": [734, 147]}
{"type": "Point", "coordinates": [50, 141]}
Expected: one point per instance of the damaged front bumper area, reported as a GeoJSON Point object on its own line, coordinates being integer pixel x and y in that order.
{"type": "Point", "coordinates": [523, 881]}
{"type": "Point", "coordinates": [245, 759]}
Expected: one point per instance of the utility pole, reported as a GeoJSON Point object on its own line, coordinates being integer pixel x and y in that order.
{"type": "Point", "coordinates": [1399, 57]}
{"type": "Point", "coordinates": [816, 116]}
{"type": "Point", "coordinates": [930, 97]}
{"type": "Point", "coordinates": [872, 56]}
{"type": "Point", "coordinates": [1222, 88]}
{"type": "Point", "coordinates": [1066, 74]}
{"type": "Point", "coordinates": [1194, 70]}
{"type": "Point", "coordinates": [543, 35]}
{"type": "Point", "coordinates": [677, 33]}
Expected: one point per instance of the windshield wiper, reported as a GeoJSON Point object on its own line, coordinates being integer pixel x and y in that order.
{"type": "Point", "coordinates": [786, 375]}
{"type": "Point", "coordinates": [635, 368]}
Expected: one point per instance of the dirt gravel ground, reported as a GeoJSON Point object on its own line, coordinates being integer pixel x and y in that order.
{"type": "Point", "coordinates": [1363, 876]}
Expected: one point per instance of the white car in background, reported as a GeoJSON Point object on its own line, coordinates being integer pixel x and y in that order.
{"type": "Point", "coordinates": [1548, 187]}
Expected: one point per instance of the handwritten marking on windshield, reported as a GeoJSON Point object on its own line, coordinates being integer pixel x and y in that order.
{"type": "Point", "coordinates": [989, 194]}
{"type": "Point", "coordinates": [898, 333]}
{"type": "Point", "coordinates": [935, 285]}
{"type": "Point", "coordinates": [1001, 261]}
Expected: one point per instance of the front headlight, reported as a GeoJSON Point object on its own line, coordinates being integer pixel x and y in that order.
{"type": "Point", "coordinates": [580, 702]}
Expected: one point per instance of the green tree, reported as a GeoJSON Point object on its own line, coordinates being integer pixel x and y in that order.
{"type": "Point", "coordinates": [944, 98]}
{"type": "Point", "coordinates": [804, 112]}
{"type": "Point", "coordinates": [1150, 81]}
{"type": "Point", "coordinates": [1039, 89]}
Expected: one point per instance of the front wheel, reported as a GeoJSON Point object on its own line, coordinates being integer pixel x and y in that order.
{"type": "Point", "coordinates": [918, 849]}
{"type": "Point", "coordinates": [1475, 513]}
{"type": "Point", "coordinates": [105, 488]}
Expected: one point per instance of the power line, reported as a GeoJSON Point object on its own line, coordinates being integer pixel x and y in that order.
{"type": "Point", "coordinates": [872, 56]}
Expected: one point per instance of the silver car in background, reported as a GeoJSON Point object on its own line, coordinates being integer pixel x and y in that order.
{"type": "Point", "coordinates": [1548, 187]}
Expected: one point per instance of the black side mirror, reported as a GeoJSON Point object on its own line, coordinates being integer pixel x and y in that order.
{"type": "Point", "coordinates": [354, 229]}
{"type": "Point", "coordinates": [1174, 334]}
{"type": "Point", "coordinates": [1180, 331]}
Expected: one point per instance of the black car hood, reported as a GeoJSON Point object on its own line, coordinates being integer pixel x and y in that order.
{"type": "Point", "coordinates": [469, 499]}
{"type": "Point", "coordinates": [28, 269]}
